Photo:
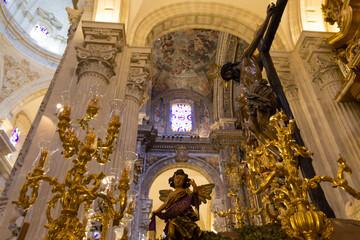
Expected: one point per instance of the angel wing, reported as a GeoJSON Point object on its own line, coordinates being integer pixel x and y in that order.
{"type": "Point", "coordinates": [204, 192]}
{"type": "Point", "coordinates": [164, 194]}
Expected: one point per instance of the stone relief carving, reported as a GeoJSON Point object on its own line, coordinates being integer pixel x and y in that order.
{"type": "Point", "coordinates": [50, 17]}
{"type": "Point", "coordinates": [16, 74]}
{"type": "Point", "coordinates": [282, 65]}
{"type": "Point", "coordinates": [151, 159]}
{"type": "Point", "coordinates": [321, 59]}
{"type": "Point", "coordinates": [311, 44]}
{"type": "Point", "coordinates": [74, 17]}
{"type": "Point", "coordinates": [181, 153]}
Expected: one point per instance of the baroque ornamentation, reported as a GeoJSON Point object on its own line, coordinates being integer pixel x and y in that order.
{"type": "Point", "coordinates": [16, 74]}
{"type": "Point", "coordinates": [346, 44]}
{"type": "Point", "coordinates": [332, 12]}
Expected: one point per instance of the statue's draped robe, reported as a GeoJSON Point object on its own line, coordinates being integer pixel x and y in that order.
{"type": "Point", "coordinates": [180, 213]}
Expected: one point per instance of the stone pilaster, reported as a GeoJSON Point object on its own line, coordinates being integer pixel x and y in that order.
{"type": "Point", "coordinates": [142, 213]}
{"type": "Point", "coordinates": [223, 140]}
{"type": "Point", "coordinates": [343, 116]}
{"type": "Point", "coordinates": [329, 128]}
{"type": "Point", "coordinates": [135, 96]}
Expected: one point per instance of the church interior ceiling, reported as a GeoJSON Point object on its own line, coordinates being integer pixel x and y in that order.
{"type": "Point", "coordinates": [182, 59]}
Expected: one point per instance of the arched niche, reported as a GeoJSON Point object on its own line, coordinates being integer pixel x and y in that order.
{"type": "Point", "coordinates": [169, 163]}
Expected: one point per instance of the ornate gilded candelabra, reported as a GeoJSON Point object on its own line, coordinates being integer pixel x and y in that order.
{"type": "Point", "coordinates": [80, 188]}
{"type": "Point", "coordinates": [238, 213]}
{"type": "Point", "coordinates": [236, 174]}
{"type": "Point", "coordinates": [287, 199]}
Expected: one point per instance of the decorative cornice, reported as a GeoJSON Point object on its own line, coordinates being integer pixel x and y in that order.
{"type": "Point", "coordinates": [223, 138]}
{"type": "Point", "coordinates": [312, 45]}
{"type": "Point", "coordinates": [321, 60]}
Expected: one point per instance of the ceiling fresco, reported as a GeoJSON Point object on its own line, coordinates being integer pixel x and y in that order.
{"type": "Point", "coordinates": [181, 60]}
{"type": "Point", "coordinates": [183, 52]}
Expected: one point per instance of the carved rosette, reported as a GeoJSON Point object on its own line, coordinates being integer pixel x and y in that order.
{"type": "Point", "coordinates": [139, 75]}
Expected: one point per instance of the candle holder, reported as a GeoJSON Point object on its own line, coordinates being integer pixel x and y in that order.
{"type": "Point", "coordinates": [81, 190]}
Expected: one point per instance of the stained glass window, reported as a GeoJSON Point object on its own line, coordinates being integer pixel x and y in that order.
{"type": "Point", "coordinates": [40, 34]}
{"type": "Point", "coordinates": [181, 117]}
{"type": "Point", "coordinates": [15, 136]}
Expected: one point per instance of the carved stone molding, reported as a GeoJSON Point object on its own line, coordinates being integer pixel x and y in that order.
{"type": "Point", "coordinates": [74, 17]}
{"type": "Point", "coordinates": [16, 75]}
{"type": "Point", "coordinates": [321, 60]}
{"type": "Point", "coordinates": [139, 75]}
{"type": "Point", "coordinates": [282, 65]}
{"type": "Point", "coordinates": [222, 138]}
{"type": "Point", "coordinates": [312, 45]}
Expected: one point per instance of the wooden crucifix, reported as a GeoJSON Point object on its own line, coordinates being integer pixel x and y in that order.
{"type": "Point", "coordinates": [250, 71]}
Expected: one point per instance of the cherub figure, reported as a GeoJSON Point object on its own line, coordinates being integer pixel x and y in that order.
{"type": "Point", "coordinates": [179, 214]}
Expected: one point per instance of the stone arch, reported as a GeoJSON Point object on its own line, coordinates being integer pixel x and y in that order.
{"type": "Point", "coordinates": [142, 213]}
{"type": "Point", "coordinates": [20, 97]}
{"type": "Point", "coordinates": [204, 15]}
{"type": "Point", "coordinates": [197, 164]}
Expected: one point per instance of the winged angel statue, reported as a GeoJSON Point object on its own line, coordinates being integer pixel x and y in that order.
{"type": "Point", "coordinates": [179, 214]}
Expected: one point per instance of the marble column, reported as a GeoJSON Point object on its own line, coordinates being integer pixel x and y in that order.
{"type": "Point", "coordinates": [93, 54]}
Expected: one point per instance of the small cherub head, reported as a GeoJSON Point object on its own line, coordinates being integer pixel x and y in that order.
{"type": "Point", "coordinates": [179, 179]}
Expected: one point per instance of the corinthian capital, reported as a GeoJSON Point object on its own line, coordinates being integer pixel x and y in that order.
{"type": "Point", "coordinates": [139, 75]}
{"type": "Point", "coordinates": [321, 61]}
{"type": "Point", "coordinates": [96, 56]}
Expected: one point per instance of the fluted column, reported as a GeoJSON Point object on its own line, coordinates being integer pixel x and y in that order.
{"type": "Point", "coordinates": [135, 96]}
{"type": "Point", "coordinates": [329, 128]}
{"type": "Point", "coordinates": [343, 117]}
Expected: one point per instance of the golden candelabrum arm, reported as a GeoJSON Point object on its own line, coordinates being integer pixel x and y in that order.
{"type": "Point", "coordinates": [107, 148]}
{"type": "Point", "coordinates": [33, 182]}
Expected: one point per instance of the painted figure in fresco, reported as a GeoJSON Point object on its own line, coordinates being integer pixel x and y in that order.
{"type": "Point", "coordinates": [179, 214]}
{"type": "Point", "coordinates": [260, 97]}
